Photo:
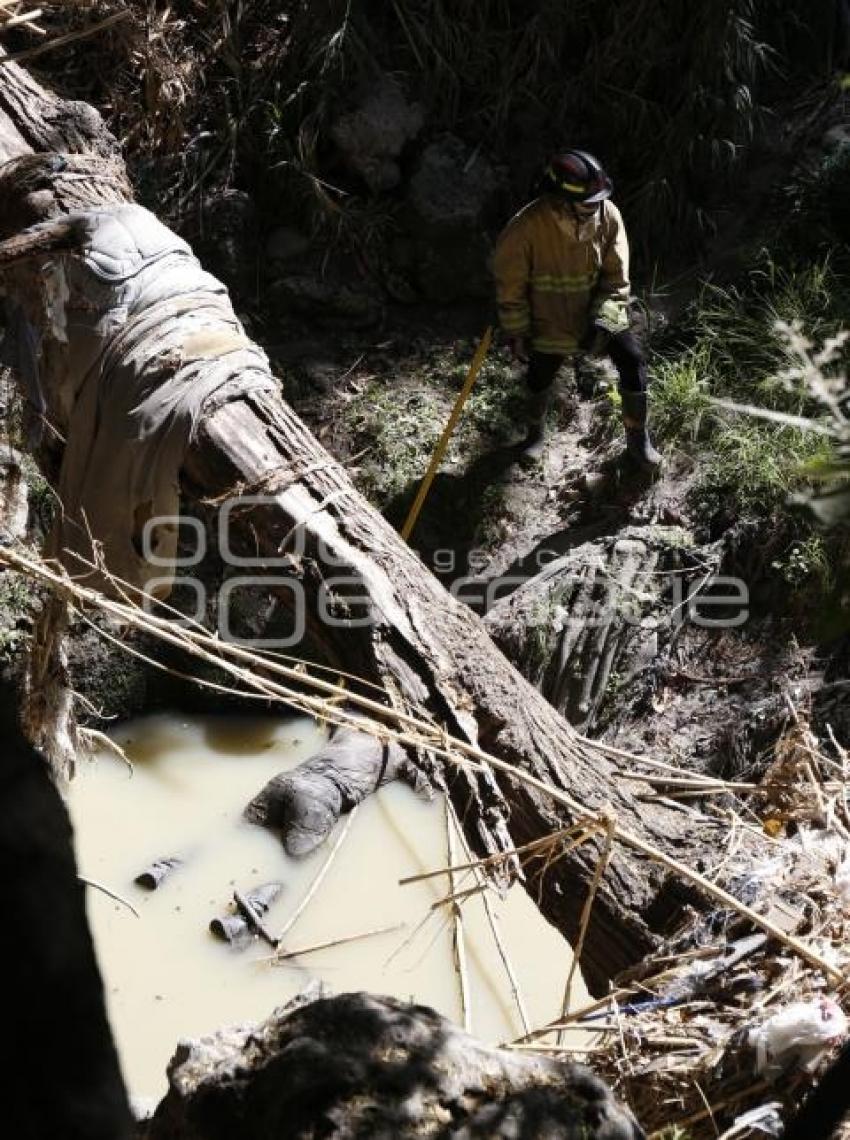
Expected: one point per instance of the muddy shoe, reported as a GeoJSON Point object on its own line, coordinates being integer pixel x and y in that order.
{"type": "Point", "coordinates": [534, 444]}
{"type": "Point", "coordinates": [638, 444]}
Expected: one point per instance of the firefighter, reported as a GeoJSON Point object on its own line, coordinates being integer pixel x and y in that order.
{"type": "Point", "coordinates": [562, 283]}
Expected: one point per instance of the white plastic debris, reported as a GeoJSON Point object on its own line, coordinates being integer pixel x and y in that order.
{"type": "Point", "coordinates": [799, 1033]}
{"type": "Point", "coordinates": [766, 1120]}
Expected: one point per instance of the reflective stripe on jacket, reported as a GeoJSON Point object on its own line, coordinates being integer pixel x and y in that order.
{"type": "Point", "coordinates": [555, 272]}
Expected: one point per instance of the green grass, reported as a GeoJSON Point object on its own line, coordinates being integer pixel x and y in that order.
{"type": "Point", "coordinates": [400, 421]}
{"type": "Point", "coordinates": [752, 467]}
{"type": "Point", "coordinates": [680, 397]}
{"type": "Point", "coordinates": [807, 561]}
{"type": "Point", "coordinates": [400, 426]}
{"type": "Point", "coordinates": [18, 602]}
{"type": "Point", "coordinates": [734, 350]}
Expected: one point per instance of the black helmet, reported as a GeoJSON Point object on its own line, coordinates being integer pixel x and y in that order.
{"type": "Point", "coordinates": [577, 176]}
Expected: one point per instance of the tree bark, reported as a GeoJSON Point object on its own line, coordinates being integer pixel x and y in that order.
{"type": "Point", "coordinates": [420, 645]}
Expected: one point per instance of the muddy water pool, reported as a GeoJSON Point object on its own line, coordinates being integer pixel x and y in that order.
{"type": "Point", "coordinates": [166, 976]}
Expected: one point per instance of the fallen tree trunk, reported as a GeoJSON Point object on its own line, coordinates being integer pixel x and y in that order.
{"type": "Point", "coordinates": [371, 607]}
{"type": "Point", "coordinates": [430, 651]}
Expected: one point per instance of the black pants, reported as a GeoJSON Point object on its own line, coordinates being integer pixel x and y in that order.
{"type": "Point", "coordinates": [624, 350]}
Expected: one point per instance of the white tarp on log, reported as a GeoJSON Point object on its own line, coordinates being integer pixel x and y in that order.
{"type": "Point", "coordinates": [130, 343]}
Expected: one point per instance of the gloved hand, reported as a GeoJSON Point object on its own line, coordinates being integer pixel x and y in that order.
{"type": "Point", "coordinates": [595, 340]}
{"type": "Point", "coordinates": [518, 346]}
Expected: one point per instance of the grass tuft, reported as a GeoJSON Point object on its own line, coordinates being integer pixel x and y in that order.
{"type": "Point", "coordinates": [736, 350]}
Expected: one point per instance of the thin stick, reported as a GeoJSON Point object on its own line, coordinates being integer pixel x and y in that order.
{"type": "Point", "coordinates": [320, 875]}
{"type": "Point", "coordinates": [490, 860]}
{"type": "Point", "coordinates": [585, 1011]}
{"type": "Point", "coordinates": [695, 1117]}
{"type": "Point", "coordinates": [254, 919]}
{"type": "Point", "coordinates": [540, 1047]}
{"type": "Point", "coordinates": [458, 943]}
{"type": "Point", "coordinates": [707, 1104]}
{"type": "Point", "coordinates": [459, 896]}
{"type": "Point", "coordinates": [25, 18]}
{"type": "Point", "coordinates": [494, 928]}
{"type": "Point", "coordinates": [506, 961]}
{"type": "Point", "coordinates": [106, 891]}
{"type": "Point", "coordinates": [60, 41]}
{"type": "Point", "coordinates": [601, 865]}
{"type": "Point", "coordinates": [775, 417]}
{"type": "Point", "coordinates": [95, 736]}
{"type": "Point", "coordinates": [282, 956]}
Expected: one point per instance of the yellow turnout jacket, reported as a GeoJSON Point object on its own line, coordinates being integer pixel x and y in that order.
{"type": "Point", "coordinates": [555, 272]}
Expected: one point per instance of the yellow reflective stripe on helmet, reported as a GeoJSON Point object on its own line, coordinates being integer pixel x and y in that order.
{"type": "Point", "coordinates": [575, 188]}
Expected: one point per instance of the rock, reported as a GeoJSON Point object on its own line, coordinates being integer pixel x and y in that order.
{"type": "Point", "coordinates": [113, 683]}
{"type": "Point", "coordinates": [371, 137]}
{"type": "Point", "coordinates": [326, 299]}
{"type": "Point", "coordinates": [227, 242]}
{"type": "Point", "coordinates": [357, 1066]}
{"type": "Point", "coordinates": [452, 187]}
{"type": "Point", "coordinates": [285, 243]}
{"type": "Point", "coordinates": [836, 137]}
{"type": "Point", "coordinates": [451, 203]}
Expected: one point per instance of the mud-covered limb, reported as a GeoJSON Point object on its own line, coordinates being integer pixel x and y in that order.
{"type": "Point", "coordinates": [155, 874]}
{"type": "Point", "coordinates": [306, 803]}
{"type": "Point", "coordinates": [357, 1065]}
{"type": "Point", "coordinates": [239, 927]}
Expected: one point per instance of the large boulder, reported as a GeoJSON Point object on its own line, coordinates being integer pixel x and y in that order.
{"type": "Point", "coordinates": [327, 297]}
{"type": "Point", "coordinates": [357, 1066]}
{"type": "Point", "coordinates": [452, 203]}
{"type": "Point", "coordinates": [226, 239]}
{"type": "Point", "coordinates": [371, 137]}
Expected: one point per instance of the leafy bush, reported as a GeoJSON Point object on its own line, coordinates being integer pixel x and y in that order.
{"type": "Point", "coordinates": [208, 95]}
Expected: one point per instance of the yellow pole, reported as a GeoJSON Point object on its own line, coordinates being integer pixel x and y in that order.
{"type": "Point", "coordinates": [440, 449]}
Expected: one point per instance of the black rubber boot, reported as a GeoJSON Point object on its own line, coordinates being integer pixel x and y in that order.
{"type": "Point", "coordinates": [638, 444]}
{"type": "Point", "coordinates": [536, 411]}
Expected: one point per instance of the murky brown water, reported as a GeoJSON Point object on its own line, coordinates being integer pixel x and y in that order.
{"type": "Point", "coordinates": [167, 977]}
